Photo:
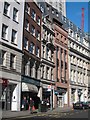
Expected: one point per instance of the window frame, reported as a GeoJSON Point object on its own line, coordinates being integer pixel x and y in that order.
{"type": "Point", "coordinates": [14, 38]}
{"type": "Point", "coordinates": [7, 9]}
{"type": "Point", "coordinates": [12, 61]}
{"type": "Point", "coordinates": [15, 14]}
{"type": "Point", "coordinates": [3, 57]}
{"type": "Point", "coordinates": [4, 32]}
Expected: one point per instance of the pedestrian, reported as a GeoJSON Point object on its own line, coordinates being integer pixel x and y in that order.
{"type": "Point", "coordinates": [31, 105]}
{"type": "Point", "coordinates": [24, 103]}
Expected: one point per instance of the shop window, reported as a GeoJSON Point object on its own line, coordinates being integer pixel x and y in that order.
{"type": "Point", "coordinates": [12, 61]}
{"type": "Point", "coordinates": [3, 57]}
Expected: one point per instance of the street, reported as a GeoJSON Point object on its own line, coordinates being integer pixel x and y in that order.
{"type": "Point", "coordinates": [56, 115]}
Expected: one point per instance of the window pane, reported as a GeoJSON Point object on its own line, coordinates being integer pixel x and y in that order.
{"type": "Point", "coordinates": [15, 14]}
{"type": "Point", "coordinates": [14, 35]}
{"type": "Point", "coordinates": [6, 8]}
{"type": "Point", "coordinates": [4, 31]}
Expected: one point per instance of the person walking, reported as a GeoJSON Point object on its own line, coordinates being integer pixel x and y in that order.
{"type": "Point", "coordinates": [31, 105]}
{"type": "Point", "coordinates": [24, 103]}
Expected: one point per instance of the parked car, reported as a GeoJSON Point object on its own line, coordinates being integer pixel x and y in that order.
{"type": "Point", "coordinates": [88, 103]}
{"type": "Point", "coordinates": [80, 105]}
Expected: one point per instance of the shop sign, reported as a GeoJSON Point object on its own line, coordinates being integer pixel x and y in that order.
{"type": "Point", "coordinates": [49, 88]}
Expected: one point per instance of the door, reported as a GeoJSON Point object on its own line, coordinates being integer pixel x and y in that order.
{"type": "Point", "coordinates": [60, 101]}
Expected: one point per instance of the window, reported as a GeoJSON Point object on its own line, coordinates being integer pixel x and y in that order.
{"type": "Point", "coordinates": [33, 30]}
{"type": "Point", "coordinates": [27, 25]}
{"type": "Point", "coordinates": [31, 49]}
{"type": "Point", "coordinates": [33, 14]}
{"type": "Point", "coordinates": [6, 8]}
{"type": "Point", "coordinates": [47, 7]}
{"type": "Point", "coordinates": [51, 74]}
{"type": "Point", "coordinates": [47, 73]}
{"type": "Point", "coordinates": [26, 43]}
{"type": "Point", "coordinates": [14, 36]}
{"type": "Point", "coordinates": [27, 8]}
{"type": "Point", "coordinates": [4, 31]}
{"type": "Point", "coordinates": [57, 14]}
{"type": "Point", "coordinates": [12, 61]}
{"type": "Point", "coordinates": [37, 51]}
{"type": "Point", "coordinates": [47, 53]}
{"type": "Point", "coordinates": [38, 35]}
{"type": "Point", "coordinates": [2, 57]}
{"type": "Point", "coordinates": [15, 14]}
{"type": "Point", "coordinates": [38, 20]}
{"type": "Point", "coordinates": [52, 11]}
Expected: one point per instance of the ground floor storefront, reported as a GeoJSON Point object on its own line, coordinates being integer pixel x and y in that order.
{"type": "Point", "coordinates": [62, 97]}
{"type": "Point", "coordinates": [10, 94]}
{"type": "Point", "coordinates": [78, 93]}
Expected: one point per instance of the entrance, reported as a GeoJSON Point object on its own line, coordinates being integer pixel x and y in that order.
{"type": "Point", "coordinates": [60, 101]}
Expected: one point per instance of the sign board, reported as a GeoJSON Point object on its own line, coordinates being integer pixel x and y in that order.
{"type": "Point", "coordinates": [49, 88]}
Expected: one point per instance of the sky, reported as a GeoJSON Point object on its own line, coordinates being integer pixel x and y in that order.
{"type": "Point", "coordinates": [74, 13]}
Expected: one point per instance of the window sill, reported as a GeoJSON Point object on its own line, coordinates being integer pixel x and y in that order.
{"type": "Point", "coordinates": [13, 69]}
{"type": "Point", "coordinates": [14, 43]}
{"type": "Point", "coordinates": [5, 39]}
{"type": "Point", "coordinates": [6, 15]}
{"type": "Point", "coordinates": [27, 30]}
{"type": "Point", "coordinates": [33, 35]}
{"type": "Point", "coordinates": [27, 13]}
{"type": "Point", "coordinates": [17, 1]}
{"type": "Point", "coordinates": [3, 66]}
{"type": "Point", "coordinates": [16, 21]}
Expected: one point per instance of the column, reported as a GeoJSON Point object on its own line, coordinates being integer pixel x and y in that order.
{"type": "Point", "coordinates": [44, 72]}
{"type": "Point", "coordinates": [27, 71]}
{"type": "Point", "coordinates": [16, 98]}
{"type": "Point", "coordinates": [76, 96]}
{"type": "Point", "coordinates": [66, 98]}
{"type": "Point", "coordinates": [39, 73]}
{"type": "Point", "coordinates": [40, 93]}
{"type": "Point", "coordinates": [50, 73]}
{"type": "Point", "coordinates": [70, 96]}
{"type": "Point", "coordinates": [33, 70]}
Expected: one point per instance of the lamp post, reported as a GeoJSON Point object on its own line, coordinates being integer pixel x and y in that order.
{"type": "Point", "coordinates": [79, 95]}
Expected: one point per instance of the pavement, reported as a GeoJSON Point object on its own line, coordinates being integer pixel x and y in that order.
{"type": "Point", "coordinates": [16, 114]}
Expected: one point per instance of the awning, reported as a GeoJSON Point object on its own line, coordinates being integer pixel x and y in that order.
{"type": "Point", "coordinates": [29, 87]}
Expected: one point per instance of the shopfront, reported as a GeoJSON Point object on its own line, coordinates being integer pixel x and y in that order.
{"type": "Point", "coordinates": [62, 97]}
{"type": "Point", "coordinates": [30, 88]}
{"type": "Point", "coordinates": [10, 97]}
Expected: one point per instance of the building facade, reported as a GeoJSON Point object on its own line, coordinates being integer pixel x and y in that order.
{"type": "Point", "coordinates": [79, 61]}
{"type": "Point", "coordinates": [31, 85]}
{"type": "Point", "coordinates": [47, 60]}
{"type": "Point", "coordinates": [11, 30]}
{"type": "Point", "coordinates": [60, 5]}
{"type": "Point", "coordinates": [61, 64]}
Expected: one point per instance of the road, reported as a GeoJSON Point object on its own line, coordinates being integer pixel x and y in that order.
{"type": "Point", "coordinates": [56, 115]}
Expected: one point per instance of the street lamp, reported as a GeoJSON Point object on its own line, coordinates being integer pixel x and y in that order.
{"type": "Point", "coordinates": [51, 100]}
{"type": "Point", "coordinates": [79, 95]}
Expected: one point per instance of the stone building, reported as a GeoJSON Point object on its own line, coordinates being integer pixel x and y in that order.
{"type": "Point", "coordinates": [47, 61]}
{"type": "Point", "coordinates": [79, 62]}
{"type": "Point", "coordinates": [11, 30]}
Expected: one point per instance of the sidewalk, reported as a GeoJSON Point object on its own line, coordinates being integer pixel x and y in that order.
{"type": "Point", "coordinates": [13, 114]}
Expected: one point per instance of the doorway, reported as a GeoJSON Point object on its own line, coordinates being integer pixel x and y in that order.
{"type": "Point", "coordinates": [60, 101]}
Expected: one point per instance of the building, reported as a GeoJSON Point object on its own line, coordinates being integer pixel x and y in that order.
{"type": "Point", "coordinates": [11, 30]}
{"type": "Point", "coordinates": [79, 62]}
{"type": "Point", "coordinates": [61, 64]}
{"type": "Point", "coordinates": [47, 60]}
{"type": "Point", "coordinates": [60, 58]}
{"type": "Point", "coordinates": [60, 5]}
{"type": "Point", "coordinates": [31, 85]}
